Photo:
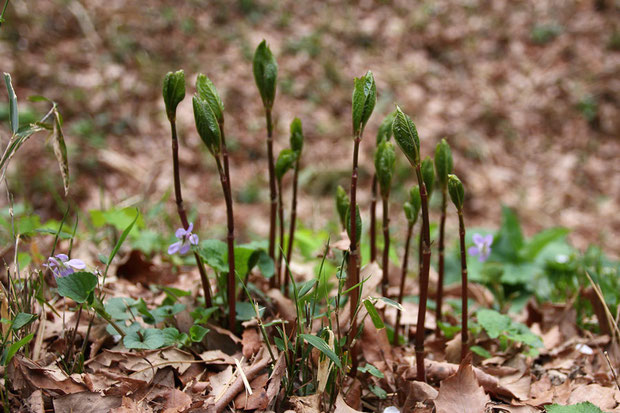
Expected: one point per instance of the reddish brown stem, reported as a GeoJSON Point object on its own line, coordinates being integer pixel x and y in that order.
{"type": "Point", "coordinates": [440, 263]}
{"type": "Point", "coordinates": [353, 276]}
{"type": "Point", "coordinates": [464, 312]}
{"type": "Point", "coordinates": [291, 230]}
{"type": "Point", "coordinates": [182, 214]}
{"type": "Point", "coordinates": [426, 263]}
{"type": "Point", "coordinates": [281, 227]}
{"type": "Point", "coordinates": [373, 219]}
{"type": "Point", "coordinates": [273, 196]}
{"type": "Point", "coordinates": [385, 263]}
{"type": "Point", "coordinates": [403, 277]}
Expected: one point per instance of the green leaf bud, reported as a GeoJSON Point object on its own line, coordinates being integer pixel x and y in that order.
{"type": "Point", "coordinates": [384, 165]}
{"type": "Point", "coordinates": [385, 129]}
{"type": "Point", "coordinates": [456, 190]}
{"type": "Point", "coordinates": [428, 175]}
{"type": "Point", "coordinates": [443, 163]}
{"type": "Point", "coordinates": [265, 70]}
{"type": "Point", "coordinates": [286, 160]}
{"type": "Point", "coordinates": [297, 135]}
{"type": "Point", "coordinates": [364, 99]}
{"type": "Point", "coordinates": [207, 92]}
{"type": "Point", "coordinates": [206, 125]}
{"type": "Point", "coordinates": [406, 135]}
{"type": "Point", "coordinates": [173, 92]}
{"type": "Point", "coordinates": [412, 207]}
{"type": "Point", "coordinates": [342, 205]}
{"type": "Point", "coordinates": [358, 223]}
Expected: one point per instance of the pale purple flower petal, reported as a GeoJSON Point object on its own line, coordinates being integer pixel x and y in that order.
{"type": "Point", "coordinates": [186, 240]}
{"type": "Point", "coordinates": [477, 239]}
{"type": "Point", "coordinates": [62, 257]}
{"type": "Point", "coordinates": [174, 248]}
{"type": "Point", "coordinates": [75, 263]}
{"type": "Point", "coordinates": [482, 246]}
{"type": "Point", "coordinates": [184, 248]}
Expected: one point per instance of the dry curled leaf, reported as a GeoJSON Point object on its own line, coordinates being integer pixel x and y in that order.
{"type": "Point", "coordinates": [461, 393]}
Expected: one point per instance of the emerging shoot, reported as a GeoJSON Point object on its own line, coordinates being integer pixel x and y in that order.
{"type": "Point", "coordinates": [173, 93]}
{"type": "Point", "coordinates": [265, 70]}
{"type": "Point", "coordinates": [406, 135]}
{"type": "Point", "coordinates": [457, 194]}
{"type": "Point", "coordinates": [384, 165]}
{"type": "Point", "coordinates": [443, 167]}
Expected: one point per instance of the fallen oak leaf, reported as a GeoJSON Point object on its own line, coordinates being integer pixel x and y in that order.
{"type": "Point", "coordinates": [85, 402]}
{"type": "Point", "coordinates": [461, 392]}
{"type": "Point", "coordinates": [342, 407]}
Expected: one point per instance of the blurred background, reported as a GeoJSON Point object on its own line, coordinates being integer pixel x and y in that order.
{"type": "Point", "coordinates": [526, 93]}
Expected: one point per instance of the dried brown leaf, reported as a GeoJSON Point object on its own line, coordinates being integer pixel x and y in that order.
{"type": "Point", "coordinates": [461, 393]}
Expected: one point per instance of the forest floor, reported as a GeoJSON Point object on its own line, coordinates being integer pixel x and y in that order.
{"type": "Point", "coordinates": [526, 93]}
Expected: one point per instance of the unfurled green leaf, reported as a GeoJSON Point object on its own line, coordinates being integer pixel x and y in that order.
{"type": "Point", "coordinates": [406, 135]}
{"type": "Point", "coordinates": [385, 129]}
{"type": "Point", "coordinates": [378, 391]}
{"type": "Point", "coordinates": [265, 70]}
{"type": "Point", "coordinates": [384, 165]}
{"type": "Point", "coordinates": [147, 339]}
{"type": "Point", "coordinates": [11, 350]}
{"type": "Point", "coordinates": [173, 92]}
{"type": "Point", "coordinates": [358, 224]}
{"type": "Point", "coordinates": [456, 191]}
{"type": "Point", "coordinates": [13, 113]}
{"type": "Point", "coordinates": [481, 351]}
{"type": "Point", "coordinates": [428, 175]}
{"type": "Point", "coordinates": [246, 311]}
{"type": "Point", "coordinates": [585, 407]}
{"type": "Point", "coordinates": [120, 308]}
{"type": "Point", "coordinates": [374, 314]}
{"type": "Point", "coordinates": [391, 303]}
{"type": "Point", "coordinates": [538, 242]}
{"type": "Point", "coordinates": [509, 240]}
{"type": "Point", "coordinates": [22, 320]}
{"type": "Point", "coordinates": [214, 252]}
{"type": "Point", "coordinates": [370, 369]}
{"type": "Point", "coordinates": [285, 162]}
{"type": "Point", "coordinates": [443, 163]}
{"type": "Point", "coordinates": [207, 125]}
{"type": "Point", "coordinates": [297, 136]}
{"type": "Point", "coordinates": [342, 205]}
{"type": "Point", "coordinates": [207, 92]}
{"type": "Point", "coordinates": [364, 99]}
{"type": "Point", "coordinates": [77, 286]}
{"type": "Point", "coordinates": [321, 345]}
{"type": "Point", "coordinates": [197, 333]}
{"type": "Point", "coordinates": [120, 242]}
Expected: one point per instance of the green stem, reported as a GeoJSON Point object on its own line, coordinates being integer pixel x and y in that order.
{"type": "Point", "coordinates": [279, 280]}
{"type": "Point", "coordinates": [6, 3]}
{"type": "Point", "coordinates": [353, 276]}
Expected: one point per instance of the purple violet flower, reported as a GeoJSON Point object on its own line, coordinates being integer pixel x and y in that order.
{"type": "Point", "coordinates": [482, 246]}
{"type": "Point", "coordinates": [187, 239]}
{"type": "Point", "coordinates": [61, 265]}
